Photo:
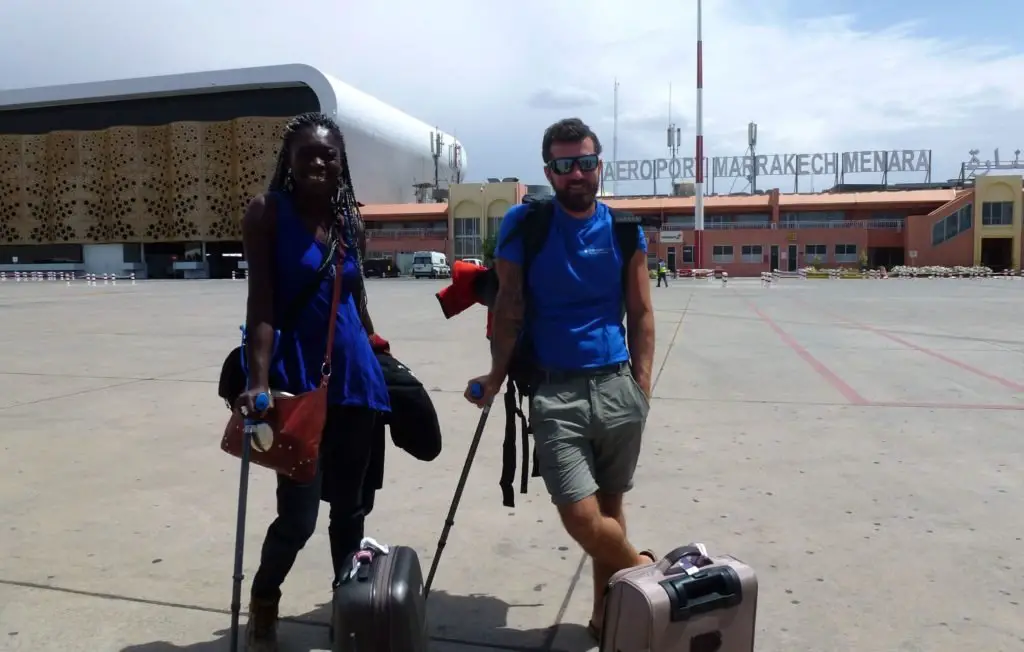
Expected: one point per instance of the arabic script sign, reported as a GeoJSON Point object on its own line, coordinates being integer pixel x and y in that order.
{"type": "Point", "coordinates": [995, 163]}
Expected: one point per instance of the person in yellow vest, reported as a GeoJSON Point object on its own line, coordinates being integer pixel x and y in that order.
{"type": "Point", "coordinates": [662, 273]}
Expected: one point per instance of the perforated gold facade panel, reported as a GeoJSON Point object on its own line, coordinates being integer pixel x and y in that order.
{"type": "Point", "coordinates": [186, 181]}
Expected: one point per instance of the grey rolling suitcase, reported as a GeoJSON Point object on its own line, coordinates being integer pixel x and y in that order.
{"type": "Point", "coordinates": [379, 604]}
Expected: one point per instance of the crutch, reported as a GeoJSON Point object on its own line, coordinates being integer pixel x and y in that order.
{"type": "Point", "coordinates": [476, 391]}
{"type": "Point", "coordinates": [262, 403]}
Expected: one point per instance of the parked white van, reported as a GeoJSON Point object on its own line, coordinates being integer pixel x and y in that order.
{"type": "Point", "coordinates": [430, 264]}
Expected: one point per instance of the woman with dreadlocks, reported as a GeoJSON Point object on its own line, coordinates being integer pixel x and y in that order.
{"type": "Point", "coordinates": [310, 212]}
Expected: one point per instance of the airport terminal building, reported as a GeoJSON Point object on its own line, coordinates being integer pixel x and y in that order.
{"type": "Point", "coordinates": [972, 219]}
{"type": "Point", "coordinates": [151, 176]}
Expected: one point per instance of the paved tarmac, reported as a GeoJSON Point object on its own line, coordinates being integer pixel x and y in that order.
{"type": "Point", "coordinates": [857, 442]}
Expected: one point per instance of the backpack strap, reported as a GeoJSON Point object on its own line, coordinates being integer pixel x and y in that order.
{"type": "Point", "coordinates": [508, 449]}
{"type": "Point", "coordinates": [534, 229]}
{"type": "Point", "coordinates": [626, 227]}
{"type": "Point", "coordinates": [536, 226]}
{"type": "Point", "coordinates": [627, 232]}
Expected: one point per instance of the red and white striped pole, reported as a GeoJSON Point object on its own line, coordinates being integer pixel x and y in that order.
{"type": "Point", "coordinates": [698, 186]}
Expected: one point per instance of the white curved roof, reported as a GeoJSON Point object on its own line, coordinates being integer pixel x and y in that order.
{"type": "Point", "coordinates": [348, 105]}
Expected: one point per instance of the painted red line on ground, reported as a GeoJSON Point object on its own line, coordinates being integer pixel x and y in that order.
{"type": "Point", "coordinates": [1005, 382]}
{"type": "Point", "coordinates": [947, 406]}
{"type": "Point", "coordinates": [840, 385]}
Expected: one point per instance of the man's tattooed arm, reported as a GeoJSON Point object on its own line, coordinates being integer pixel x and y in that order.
{"type": "Point", "coordinates": [509, 312]}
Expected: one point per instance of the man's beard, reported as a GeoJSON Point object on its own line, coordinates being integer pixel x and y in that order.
{"type": "Point", "coordinates": [577, 198]}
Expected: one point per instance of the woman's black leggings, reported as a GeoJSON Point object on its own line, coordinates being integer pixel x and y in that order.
{"type": "Point", "coordinates": [345, 457]}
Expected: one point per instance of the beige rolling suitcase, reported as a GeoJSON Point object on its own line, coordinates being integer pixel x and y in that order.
{"type": "Point", "coordinates": [687, 602]}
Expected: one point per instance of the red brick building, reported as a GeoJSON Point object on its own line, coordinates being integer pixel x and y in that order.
{"type": "Point", "coordinates": [748, 234]}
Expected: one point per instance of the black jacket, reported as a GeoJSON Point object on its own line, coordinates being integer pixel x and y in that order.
{"type": "Point", "coordinates": [413, 419]}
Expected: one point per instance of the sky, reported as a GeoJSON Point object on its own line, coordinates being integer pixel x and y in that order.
{"type": "Point", "coordinates": [816, 75]}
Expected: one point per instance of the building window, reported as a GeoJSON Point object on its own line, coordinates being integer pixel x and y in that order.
{"type": "Point", "coordinates": [810, 219]}
{"type": "Point", "coordinates": [679, 221]}
{"type": "Point", "coordinates": [466, 226]}
{"type": "Point", "coordinates": [467, 238]}
{"type": "Point", "coordinates": [688, 254]}
{"type": "Point", "coordinates": [494, 226]}
{"type": "Point", "coordinates": [846, 253]}
{"type": "Point", "coordinates": [997, 213]}
{"type": "Point", "coordinates": [815, 253]}
{"type": "Point", "coordinates": [752, 220]}
{"type": "Point", "coordinates": [721, 254]}
{"type": "Point", "coordinates": [954, 224]}
{"type": "Point", "coordinates": [966, 216]}
{"type": "Point", "coordinates": [751, 254]}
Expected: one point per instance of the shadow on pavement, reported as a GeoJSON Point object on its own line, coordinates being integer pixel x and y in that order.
{"type": "Point", "coordinates": [456, 622]}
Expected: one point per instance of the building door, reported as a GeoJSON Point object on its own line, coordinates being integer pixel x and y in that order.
{"type": "Point", "coordinates": [774, 263]}
{"type": "Point", "coordinates": [671, 261]}
{"type": "Point", "coordinates": [792, 258]}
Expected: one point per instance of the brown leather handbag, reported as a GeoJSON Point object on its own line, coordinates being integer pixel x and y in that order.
{"type": "Point", "coordinates": [297, 422]}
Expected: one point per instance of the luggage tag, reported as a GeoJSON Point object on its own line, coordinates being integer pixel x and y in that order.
{"type": "Point", "coordinates": [692, 564]}
{"type": "Point", "coordinates": [361, 560]}
{"type": "Point", "coordinates": [371, 544]}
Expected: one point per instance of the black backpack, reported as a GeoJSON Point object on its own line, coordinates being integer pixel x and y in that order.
{"type": "Point", "coordinates": [523, 374]}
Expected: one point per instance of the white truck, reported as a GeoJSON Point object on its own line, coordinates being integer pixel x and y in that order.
{"type": "Point", "coordinates": [430, 264]}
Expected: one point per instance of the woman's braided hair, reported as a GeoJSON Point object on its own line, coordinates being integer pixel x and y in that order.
{"type": "Point", "coordinates": [348, 223]}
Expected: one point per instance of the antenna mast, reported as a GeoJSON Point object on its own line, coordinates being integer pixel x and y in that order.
{"type": "Point", "coordinates": [615, 140]}
{"type": "Point", "coordinates": [752, 144]}
{"type": "Point", "coordinates": [698, 213]}
{"type": "Point", "coordinates": [673, 138]}
{"type": "Point", "coordinates": [436, 147]}
{"type": "Point", "coordinates": [455, 159]}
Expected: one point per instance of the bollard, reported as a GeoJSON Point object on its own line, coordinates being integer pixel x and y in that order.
{"type": "Point", "coordinates": [132, 277]}
{"type": "Point", "coordinates": [234, 275]}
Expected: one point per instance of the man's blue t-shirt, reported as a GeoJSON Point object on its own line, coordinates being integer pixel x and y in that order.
{"type": "Point", "coordinates": [574, 301]}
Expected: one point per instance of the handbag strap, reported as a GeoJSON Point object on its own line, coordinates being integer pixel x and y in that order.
{"type": "Point", "coordinates": [302, 299]}
{"type": "Point", "coordinates": [332, 320]}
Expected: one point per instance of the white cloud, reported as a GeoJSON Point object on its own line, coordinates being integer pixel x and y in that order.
{"type": "Point", "coordinates": [816, 84]}
{"type": "Point", "coordinates": [565, 98]}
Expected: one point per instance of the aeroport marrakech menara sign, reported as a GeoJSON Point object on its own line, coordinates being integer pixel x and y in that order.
{"type": "Point", "coordinates": [773, 165]}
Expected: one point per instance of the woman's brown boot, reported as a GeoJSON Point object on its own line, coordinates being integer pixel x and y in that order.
{"type": "Point", "coordinates": [261, 630]}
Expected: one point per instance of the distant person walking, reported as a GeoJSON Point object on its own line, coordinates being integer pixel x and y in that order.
{"type": "Point", "coordinates": [662, 273]}
{"type": "Point", "coordinates": [292, 234]}
{"type": "Point", "coordinates": [591, 402]}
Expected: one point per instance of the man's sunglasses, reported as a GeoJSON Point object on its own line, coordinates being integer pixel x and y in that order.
{"type": "Point", "coordinates": [565, 164]}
